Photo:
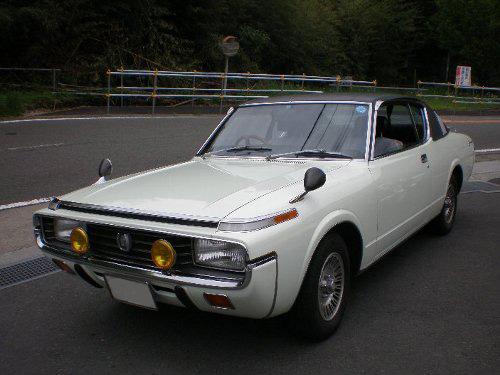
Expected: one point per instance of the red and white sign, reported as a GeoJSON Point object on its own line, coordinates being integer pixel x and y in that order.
{"type": "Point", "coordinates": [463, 76]}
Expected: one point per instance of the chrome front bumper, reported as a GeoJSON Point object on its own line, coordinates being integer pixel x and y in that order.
{"type": "Point", "coordinates": [253, 293]}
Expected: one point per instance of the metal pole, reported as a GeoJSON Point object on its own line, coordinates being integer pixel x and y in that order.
{"type": "Point", "coordinates": [109, 90]}
{"type": "Point", "coordinates": [224, 83]}
{"type": "Point", "coordinates": [226, 70]}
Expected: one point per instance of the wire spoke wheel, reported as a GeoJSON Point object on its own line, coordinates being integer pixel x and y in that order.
{"type": "Point", "coordinates": [450, 204]}
{"type": "Point", "coordinates": [331, 286]}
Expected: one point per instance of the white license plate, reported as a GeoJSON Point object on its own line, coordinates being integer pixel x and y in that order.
{"type": "Point", "coordinates": [132, 292]}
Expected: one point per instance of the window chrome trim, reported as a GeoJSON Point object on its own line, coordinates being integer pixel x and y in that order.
{"type": "Point", "coordinates": [305, 102]}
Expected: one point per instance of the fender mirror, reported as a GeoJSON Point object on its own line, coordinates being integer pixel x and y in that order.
{"type": "Point", "coordinates": [314, 178]}
{"type": "Point", "coordinates": [105, 170]}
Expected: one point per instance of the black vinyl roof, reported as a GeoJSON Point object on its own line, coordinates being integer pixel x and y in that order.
{"type": "Point", "coordinates": [357, 97]}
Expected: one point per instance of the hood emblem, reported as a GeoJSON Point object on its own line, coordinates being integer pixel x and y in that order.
{"type": "Point", "coordinates": [124, 241]}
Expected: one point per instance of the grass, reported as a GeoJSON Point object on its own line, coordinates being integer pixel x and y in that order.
{"type": "Point", "coordinates": [15, 103]}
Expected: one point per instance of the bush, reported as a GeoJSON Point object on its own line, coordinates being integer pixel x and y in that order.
{"type": "Point", "coordinates": [11, 104]}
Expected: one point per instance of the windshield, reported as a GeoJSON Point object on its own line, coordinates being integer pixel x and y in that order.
{"type": "Point", "coordinates": [263, 130]}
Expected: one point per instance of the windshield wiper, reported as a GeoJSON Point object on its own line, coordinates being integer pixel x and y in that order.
{"type": "Point", "coordinates": [317, 153]}
{"type": "Point", "coordinates": [239, 148]}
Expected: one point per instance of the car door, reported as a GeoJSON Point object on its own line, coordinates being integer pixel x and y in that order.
{"type": "Point", "coordinates": [401, 176]}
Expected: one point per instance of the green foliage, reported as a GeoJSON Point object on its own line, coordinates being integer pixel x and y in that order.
{"type": "Point", "coordinates": [11, 105]}
{"type": "Point", "coordinates": [388, 40]}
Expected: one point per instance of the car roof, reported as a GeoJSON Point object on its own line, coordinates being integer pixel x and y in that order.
{"type": "Point", "coordinates": [354, 97]}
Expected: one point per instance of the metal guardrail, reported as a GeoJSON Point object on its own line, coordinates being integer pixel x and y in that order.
{"type": "Point", "coordinates": [485, 93]}
{"type": "Point", "coordinates": [197, 79]}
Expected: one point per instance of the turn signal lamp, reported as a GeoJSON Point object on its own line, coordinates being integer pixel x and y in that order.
{"type": "Point", "coordinates": [79, 241]}
{"type": "Point", "coordinates": [289, 215]}
{"type": "Point", "coordinates": [163, 254]}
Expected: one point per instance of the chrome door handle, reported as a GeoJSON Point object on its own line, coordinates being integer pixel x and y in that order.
{"type": "Point", "coordinates": [423, 158]}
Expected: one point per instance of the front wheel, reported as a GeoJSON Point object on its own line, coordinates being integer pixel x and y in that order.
{"type": "Point", "coordinates": [322, 299]}
{"type": "Point", "coordinates": [443, 223]}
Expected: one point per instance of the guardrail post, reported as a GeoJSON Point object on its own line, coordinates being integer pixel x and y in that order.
{"type": "Point", "coordinates": [121, 87]}
{"type": "Point", "coordinates": [248, 82]}
{"type": "Point", "coordinates": [155, 84]}
{"type": "Point", "coordinates": [374, 85]}
{"type": "Point", "coordinates": [303, 75]}
{"type": "Point", "coordinates": [337, 80]}
{"type": "Point", "coordinates": [282, 82]}
{"type": "Point", "coordinates": [108, 95]}
{"type": "Point", "coordinates": [194, 89]}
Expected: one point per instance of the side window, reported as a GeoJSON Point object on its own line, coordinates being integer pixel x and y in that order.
{"type": "Point", "coordinates": [418, 118]}
{"type": "Point", "coordinates": [396, 130]}
{"type": "Point", "coordinates": [437, 127]}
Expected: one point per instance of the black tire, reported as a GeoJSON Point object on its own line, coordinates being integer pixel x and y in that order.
{"type": "Point", "coordinates": [307, 317]}
{"type": "Point", "coordinates": [443, 223]}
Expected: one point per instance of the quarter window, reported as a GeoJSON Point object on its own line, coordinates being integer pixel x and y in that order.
{"type": "Point", "coordinates": [418, 118]}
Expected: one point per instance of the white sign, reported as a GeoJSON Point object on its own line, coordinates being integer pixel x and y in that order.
{"type": "Point", "coordinates": [463, 76]}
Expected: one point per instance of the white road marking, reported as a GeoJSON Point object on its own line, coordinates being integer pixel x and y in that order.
{"type": "Point", "coordinates": [488, 150]}
{"type": "Point", "coordinates": [23, 204]}
{"type": "Point", "coordinates": [105, 118]}
{"type": "Point", "coordinates": [35, 147]}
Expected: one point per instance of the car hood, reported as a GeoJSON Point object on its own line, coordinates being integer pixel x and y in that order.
{"type": "Point", "coordinates": [205, 189]}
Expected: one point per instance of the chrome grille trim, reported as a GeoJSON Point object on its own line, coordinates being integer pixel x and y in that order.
{"type": "Point", "coordinates": [138, 215]}
{"type": "Point", "coordinates": [103, 244]}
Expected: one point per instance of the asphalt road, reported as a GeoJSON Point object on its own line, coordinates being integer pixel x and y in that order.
{"type": "Point", "coordinates": [42, 159]}
{"type": "Point", "coordinates": [48, 158]}
{"type": "Point", "coordinates": [431, 306]}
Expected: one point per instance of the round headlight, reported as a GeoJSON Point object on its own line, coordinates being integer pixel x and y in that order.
{"type": "Point", "coordinates": [163, 254]}
{"type": "Point", "coordinates": [79, 241]}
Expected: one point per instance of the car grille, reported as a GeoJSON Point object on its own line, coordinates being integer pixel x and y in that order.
{"type": "Point", "coordinates": [103, 244]}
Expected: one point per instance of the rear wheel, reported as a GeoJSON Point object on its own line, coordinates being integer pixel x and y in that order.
{"type": "Point", "coordinates": [322, 299]}
{"type": "Point", "coordinates": [443, 223]}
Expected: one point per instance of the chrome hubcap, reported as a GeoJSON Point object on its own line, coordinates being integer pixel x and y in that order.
{"type": "Point", "coordinates": [449, 204]}
{"type": "Point", "coordinates": [331, 286]}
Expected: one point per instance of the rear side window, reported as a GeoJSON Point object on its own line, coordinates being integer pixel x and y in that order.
{"type": "Point", "coordinates": [418, 118]}
{"type": "Point", "coordinates": [437, 127]}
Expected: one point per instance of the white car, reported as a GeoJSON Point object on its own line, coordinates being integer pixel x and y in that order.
{"type": "Point", "coordinates": [286, 201]}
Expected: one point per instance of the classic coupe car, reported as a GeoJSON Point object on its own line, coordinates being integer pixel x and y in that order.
{"type": "Point", "coordinates": [286, 201]}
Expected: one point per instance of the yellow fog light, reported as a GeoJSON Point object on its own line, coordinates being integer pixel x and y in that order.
{"type": "Point", "coordinates": [79, 241]}
{"type": "Point", "coordinates": [163, 254]}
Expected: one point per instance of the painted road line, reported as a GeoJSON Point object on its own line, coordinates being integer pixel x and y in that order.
{"type": "Point", "coordinates": [457, 122]}
{"type": "Point", "coordinates": [487, 150]}
{"type": "Point", "coordinates": [105, 118]}
{"type": "Point", "coordinates": [23, 204]}
{"type": "Point", "coordinates": [24, 148]}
